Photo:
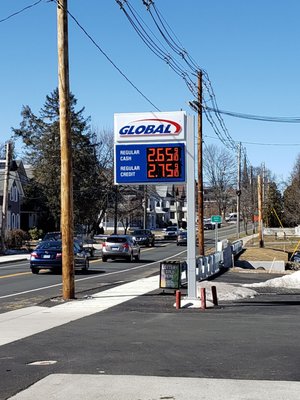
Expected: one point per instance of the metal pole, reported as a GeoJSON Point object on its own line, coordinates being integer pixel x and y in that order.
{"type": "Point", "coordinates": [66, 152]}
{"type": "Point", "coordinates": [200, 169]}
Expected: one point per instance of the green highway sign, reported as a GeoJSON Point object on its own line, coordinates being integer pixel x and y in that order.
{"type": "Point", "coordinates": [216, 218]}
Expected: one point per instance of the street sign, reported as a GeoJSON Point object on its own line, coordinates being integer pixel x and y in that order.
{"type": "Point", "coordinates": [216, 219]}
{"type": "Point", "coordinates": [149, 163]}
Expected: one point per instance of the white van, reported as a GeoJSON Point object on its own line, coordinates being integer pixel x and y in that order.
{"type": "Point", "coordinates": [232, 217]}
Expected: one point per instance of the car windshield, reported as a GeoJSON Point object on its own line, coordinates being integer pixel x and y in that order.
{"type": "Point", "coordinates": [116, 239]}
{"type": "Point", "coordinates": [140, 232]}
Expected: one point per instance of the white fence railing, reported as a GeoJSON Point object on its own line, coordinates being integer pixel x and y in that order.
{"type": "Point", "coordinates": [211, 265]}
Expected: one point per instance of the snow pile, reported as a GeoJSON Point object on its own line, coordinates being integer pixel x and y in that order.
{"type": "Point", "coordinates": [229, 292]}
{"type": "Point", "coordinates": [287, 281]}
{"type": "Point", "coordinates": [226, 291]}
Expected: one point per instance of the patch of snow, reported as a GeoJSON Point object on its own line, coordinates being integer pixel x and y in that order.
{"type": "Point", "coordinates": [287, 281]}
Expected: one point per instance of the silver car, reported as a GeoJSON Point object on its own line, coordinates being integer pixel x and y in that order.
{"type": "Point", "coordinates": [120, 246]}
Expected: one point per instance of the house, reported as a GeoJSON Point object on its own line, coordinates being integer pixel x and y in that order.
{"type": "Point", "coordinates": [15, 193]}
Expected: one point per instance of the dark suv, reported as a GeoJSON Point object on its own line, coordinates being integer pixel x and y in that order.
{"type": "Point", "coordinates": [144, 236]}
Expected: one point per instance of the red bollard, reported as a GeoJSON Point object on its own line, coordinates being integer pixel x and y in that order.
{"type": "Point", "coordinates": [178, 299]}
{"type": "Point", "coordinates": [203, 299]}
{"type": "Point", "coordinates": [214, 295]}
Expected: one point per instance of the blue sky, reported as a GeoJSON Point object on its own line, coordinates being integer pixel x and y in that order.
{"type": "Point", "coordinates": [250, 50]}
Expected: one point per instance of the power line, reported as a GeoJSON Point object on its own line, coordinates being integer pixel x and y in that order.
{"type": "Point", "coordinates": [20, 11]}
{"type": "Point", "coordinates": [109, 59]}
{"type": "Point", "coordinates": [256, 117]}
{"type": "Point", "coordinates": [263, 144]}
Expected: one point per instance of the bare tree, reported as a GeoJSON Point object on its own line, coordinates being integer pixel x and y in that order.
{"type": "Point", "coordinates": [220, 173]}
{"type": "Point", "coordinates": [292, 197]}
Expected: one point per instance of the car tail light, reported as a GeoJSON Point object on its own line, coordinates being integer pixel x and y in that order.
{"type": "Point", "coordinates": [34, 255]}
{"type": "Point", "coordinates": [58, 255]}
{"type": "Point", "coordinates": [104, 244]}
{"type": "Point", "coordinates": [126, 246]}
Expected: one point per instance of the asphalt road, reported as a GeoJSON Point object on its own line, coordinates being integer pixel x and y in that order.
{"type": "Point", "coordinates": [251, 340]}
{"type": "Point", "coordinates": [254, 339]}
{"type": "Point", "coordinates": [20, 288]}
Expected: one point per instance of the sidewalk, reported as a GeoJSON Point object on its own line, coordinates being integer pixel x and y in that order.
{"type": "Point", "coordinates": [13, 257]}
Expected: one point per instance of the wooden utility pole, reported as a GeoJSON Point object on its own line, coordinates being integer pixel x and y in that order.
{"type": "Point", "coordinates": [200, 169]}
{"type": "Point", "coordinates": [116, 210]}
{"type": "Point", "coordinates": [145, 206]}
{"type": "Point", "coordinates": [66, 188]}
{"type": "Point", "coordinates": [238, 192]}
{"type": "Point", "coordinates": [252, 199]}
{"type": "Point", "coordinates": [260, 212]}
{"type": "Point", "coordinates": [5, 195]}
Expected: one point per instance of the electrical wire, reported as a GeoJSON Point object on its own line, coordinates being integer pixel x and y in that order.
{"type": "Point", "coordinates": [293, 120]}
{"type": "Point", "coordinates": [263, 144]}
{"type": "Point", "coordinates": [108, 58]}
{"type": "Point", "coordinates": [20, 11]}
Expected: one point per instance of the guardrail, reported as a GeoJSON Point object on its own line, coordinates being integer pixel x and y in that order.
{"type": "Point", "coordinates": [237, 247]}
{"type": "Point", "coordinates": [208, 266]}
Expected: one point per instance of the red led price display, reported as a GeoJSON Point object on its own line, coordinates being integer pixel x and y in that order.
{"type": "Point", "coordinates": [164, 162]}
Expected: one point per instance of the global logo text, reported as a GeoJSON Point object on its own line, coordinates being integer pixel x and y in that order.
{"type": "Point", "coordinates": [151, 126]}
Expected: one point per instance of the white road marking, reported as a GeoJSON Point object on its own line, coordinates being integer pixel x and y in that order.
{"type": "Point", "coordinates": [90, 277]}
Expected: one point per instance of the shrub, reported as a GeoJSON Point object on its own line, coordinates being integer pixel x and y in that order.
{"type": "Point", "coordinates": [35, 233]}
{"type": "Point", "coordinates": [15, 238]}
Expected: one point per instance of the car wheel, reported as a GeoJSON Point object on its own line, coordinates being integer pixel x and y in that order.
{"type": "Point", "coordinates": [86, 266]}
{"type": "Point", "coordinates": [92, 252]}
{"type": "Point", "coordinates": [104, 258]}
{"type": "Point", "coordinates": [35, 270]}
{"type": "Point", "coordinates": [138, 256]}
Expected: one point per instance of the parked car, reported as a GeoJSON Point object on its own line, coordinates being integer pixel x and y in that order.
{"type": "Point", "coordinates": [121, 246]}
{"type": "Point", "coordinates": [48, 255]}
{"type": "Point", "coordinates": [171, 232]}
{"type": "Point", "coordinates": [144, 236]}
{"type": "Point", "coordinates": [296, 257]}
{"type": "Point", "coordinates": [208, 225]}
{"type": "Point", "coordinates": [182, 238]}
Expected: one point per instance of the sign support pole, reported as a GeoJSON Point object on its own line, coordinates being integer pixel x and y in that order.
{"type": "Point", "coordinates": [191, 210]}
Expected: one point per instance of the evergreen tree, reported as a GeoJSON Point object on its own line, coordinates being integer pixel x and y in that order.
{"type": "Point", "coordinates": [41, 136]}
{"type": "Point", "coordinates": [273, 206]}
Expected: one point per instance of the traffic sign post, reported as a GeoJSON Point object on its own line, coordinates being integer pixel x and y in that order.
{"type": "Point", "coordinates": [216, 219]}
